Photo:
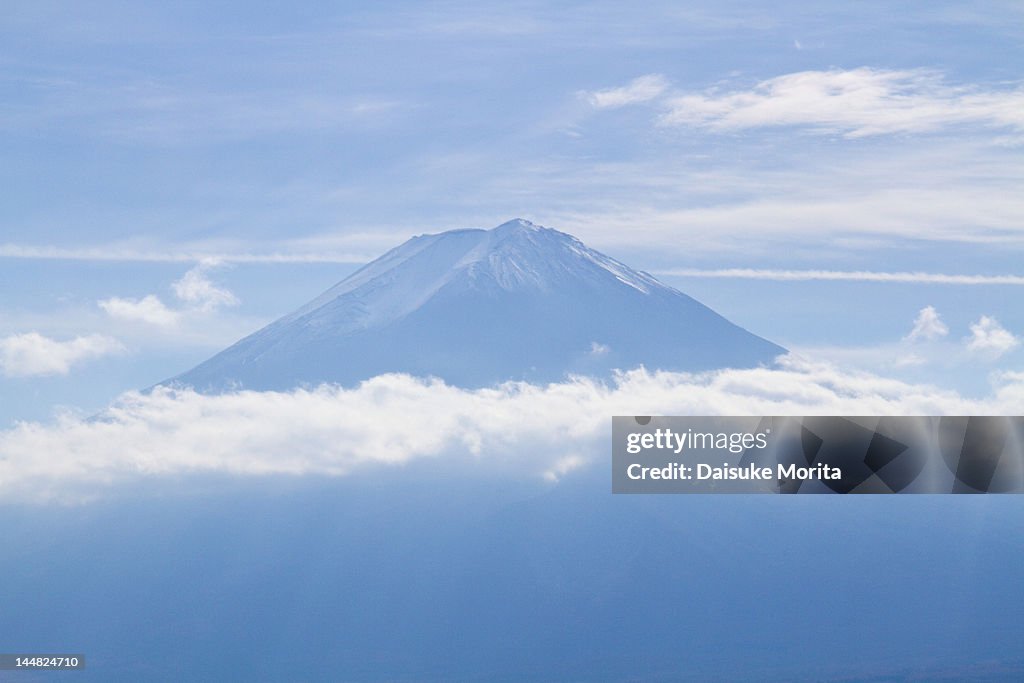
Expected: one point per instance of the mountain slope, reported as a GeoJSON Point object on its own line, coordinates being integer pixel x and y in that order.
{"type": "Point", "coordinates": [476, 307]}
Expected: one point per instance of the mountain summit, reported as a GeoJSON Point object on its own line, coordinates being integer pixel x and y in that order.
{"type": "Point", "coordinates": [476, 307]}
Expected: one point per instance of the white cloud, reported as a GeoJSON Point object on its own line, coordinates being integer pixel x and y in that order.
{"type": "Point", "coordinates": [853, 102]}
{"type": "Point", "coordinates": [928, 326]}
{"type": "Point", "coordinates": [955, 193]}
{"type": "Point", "coordinates": [149, 309]}
{"type": "Point", "coordinates": [25, 355]}
{"type": "Point", "coordinates": [197, 289]}
{"type": "Point", "coordinates": [175, 255]}
{"type": "Point", "coordinates": [194, 289]}
{"type": "Point", "coordinates": [537, 431]}
{"type": "Point", "coordinates": [856, 103]}
{"type": "Point", "coordinates": [597, 349]}
{"type": "Point", "coordinates": [957, 212]}
{"type": "Point", "coordinates": [642, 89]}
{"type": "Point", "coordinates": [564, 466]}
{"type": "Point", "coordinates": [895, 358]}
{"type": "Point", "coordinates": [989, 338]}
{"type": "Point", "coordinates": [847, 275]}
{"type": "Point", "coordinates": [909, 360]}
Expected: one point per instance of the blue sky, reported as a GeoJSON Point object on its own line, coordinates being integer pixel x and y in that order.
{"type": "Point", "coordinates": [844, 180]}
{"type": "Point", "coordinates": [177, 176]}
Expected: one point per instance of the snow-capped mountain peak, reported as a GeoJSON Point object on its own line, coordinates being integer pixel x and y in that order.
{"type": "Point", "coordinates": [519, 301]}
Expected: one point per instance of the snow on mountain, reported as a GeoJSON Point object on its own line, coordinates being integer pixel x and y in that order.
{"type": "Point", "coordinates": [476, 307]}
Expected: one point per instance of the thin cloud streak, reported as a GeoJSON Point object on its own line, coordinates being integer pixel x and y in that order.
{"type": "Point", "coordinates": [14, 251]}
{"type": "Point", "coordinates": [846, 275]}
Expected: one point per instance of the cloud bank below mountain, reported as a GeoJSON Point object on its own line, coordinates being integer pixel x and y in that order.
{"type": "Point", "coordinates": [534, 431]}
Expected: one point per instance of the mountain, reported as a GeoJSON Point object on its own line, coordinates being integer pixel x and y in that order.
{"type": "Point", "coordinates": [476, 307]}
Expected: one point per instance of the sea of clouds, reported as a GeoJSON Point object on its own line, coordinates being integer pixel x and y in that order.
{"type": "Point", "coordinates": [542, 431]}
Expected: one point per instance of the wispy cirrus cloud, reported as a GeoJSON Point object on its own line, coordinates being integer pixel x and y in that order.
{"type": "Point", "coordinates": [32, 354]}
{"type": "Point", "coordinates": [846, 275]}
{"type": "Point", "coordinates": [642, 89]}
{"type": "Point", "coordinates": [536, 431]}
{"type": "Point", "coordinates": [855, 103]}
{"type": "Point", "coordinates": [178, 255]}
{"type": "Point", "coordinates": [143, 110]}
{"type": "Point", "coordinates": [850, 102]}
{"type": "Point", "coordinates": [980, 213]}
